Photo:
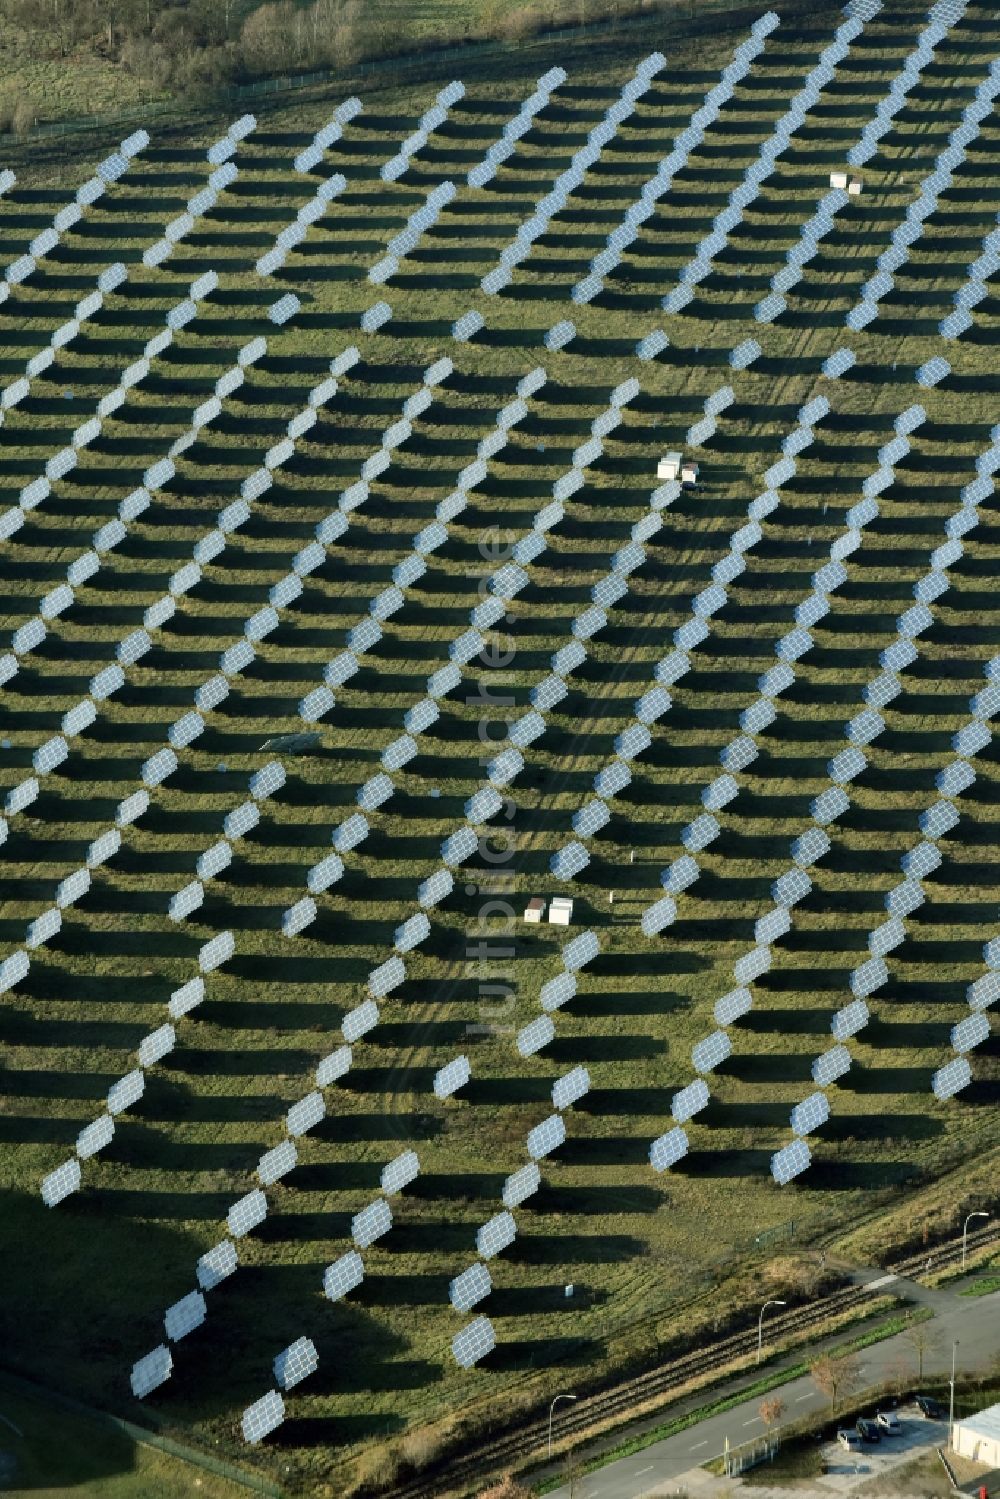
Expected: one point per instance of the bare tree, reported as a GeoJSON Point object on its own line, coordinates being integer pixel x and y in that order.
{"type": "Point", "coordinates": [923, 1339]}
{"type": "Point", "coordinates": [507, 1488]}
{"type": "Point", "coordinates": [573, 1474]}
{"type": "Point", "coordinates": [835, 1375]}
{"type": "Point", "coordinates": [897, 1376]}
{"type": "Point", "coordinates": [771, 1411]}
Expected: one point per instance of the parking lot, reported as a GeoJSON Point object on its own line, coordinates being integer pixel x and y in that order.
{"type": "Point", "coordinates": [846, 1470]}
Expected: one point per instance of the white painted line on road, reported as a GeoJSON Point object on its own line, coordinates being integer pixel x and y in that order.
{"type": "Point", "coordinates": [699, 1444]}
{"type": "Point", "coordinates": [15, 1429]}
{"type": "Point", "coordinates": [753, 1422]}
{"type": "Point", "coordinates": [807, 1396]}
{"type": "Point", "coordinates": [644, 1470]}
{"type": "Point", "coordinates": [886, 1280]}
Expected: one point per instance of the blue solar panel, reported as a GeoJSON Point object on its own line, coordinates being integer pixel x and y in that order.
{"type": "Point", "coordinates": [534, 1036]}
{"type": "Point", "coordinates": [790, 1162]}
{"type": "Point", "coordinates": [247, 1213]}
{"type": "Point", "coordinates": [668, 1149]}
{"type": "Point", "coordinates": [904, 898]}
{"type": "Point", "coordinates": [770, 927]}
{"type": "Point", "coordinates": [495, 1235]}
{"type": "Point", "coordinates": [711, 1052]}
{"type": "Point", "coordinates": [469, 1288]}
{"type": "Point", "coordinates": [150, 1372]}
{"type": "Point", "coordinates": [371, 1223]}
{"type": "Point", "coordinates": [557, 991]}
{"type": "Point", "coordinates": [263, 1417]}
{"type": "Point", "coordinates": [869, 976]}
{"type": "Point", "coordinates": [359, 1021]}
{"type": "Point", "coordinates": [849, 1020]}
{"type": "Point", "coordinates": [738, 754]}
{"type": "Point", "coordinates": [569, 861]}
{"type": "Point", "coordinates": [295, 1363]}
{"type": "Point", "coordinates": [808, 1115]}
{"type": "Point", "coordinates": [434, 889]}
{"type": "Point", "coordinates": [951, 1078]}
{"type": "Point", "coordinates": [451, 1077]}
{"type": "Point", "coordinates": [546, 1137]}
{"type": "Point", "coordinates": [473, 1342]}
{"type": "Point", "coordinates": [566, 1090]}
{"type": "Point", "coordinates": [732, 1006]}
{"type": "Point", "coordinates": [688, 1101]}
{"type": "Point", "coordinates": [399, 1172]}
{"type": "Point", "coordinates": [681, 873]}
{"type": "Point", "coordinates": [521, 1185]}
{"type": "Point", "coordinates": [752, 965]}
{"type": "Point", "coordinates": [633, 741]}
{"type": "Point", "coordinates": [970, 1032]}
{"type": "Point", "coordinates": [700, 833]}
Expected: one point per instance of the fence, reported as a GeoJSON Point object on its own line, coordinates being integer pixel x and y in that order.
{"type": "Point", "coordinates": [747, 1455]}
{"type": "Point", "coordinates": [140, 1434]}
{"type": "Point", "coordinates": [665, 17]}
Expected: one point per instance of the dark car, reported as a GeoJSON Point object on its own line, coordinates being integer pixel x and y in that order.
{"type": "Point", "coordinates": [867, 1430]}
{"type": "Point", "coordinates": [930, 1408]}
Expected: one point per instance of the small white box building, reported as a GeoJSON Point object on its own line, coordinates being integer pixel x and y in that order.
{"type": "Point", "coordinates": [560, 910]}
{"type": "Point", "coordinates": [978, 1437]}
{"type": "Point", "coordinates": [854, 187]}
{"type": "Point", "coordinates": [535, 909]}
{"type": "Point", "coordinates": [689, 473]}
{"type": "Point", "coordinates": [669, 466]}
{"type": "Point", "coordinates": [838, 179]}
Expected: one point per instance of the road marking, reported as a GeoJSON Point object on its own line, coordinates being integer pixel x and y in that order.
{"type": "Point", "coordinates": [699, 1444]}
{"type": "Point", "coordinates": [753, 1422]}
{"type": "Point", "coordinates": [807, 1396]}
{"type": "Point", "coordinates": [16, 1429]}
{"type": "Point", "coordinates": [645, 1470]}
{"type": "Point", "coordinates": [886, 1280]}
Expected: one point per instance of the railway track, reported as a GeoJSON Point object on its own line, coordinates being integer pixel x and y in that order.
{"type": "Point", "coordinates": [507, 1450]}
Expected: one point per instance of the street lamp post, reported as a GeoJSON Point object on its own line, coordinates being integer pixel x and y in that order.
{"type": "Point", "coordinates": [951, 1398]}
{"type": "Point", "coordinates": [760, 1324]}
{"type": "Point", "coordinates": [965, 1231]}
{"type": "Point", "coordinates": [551, 1409]}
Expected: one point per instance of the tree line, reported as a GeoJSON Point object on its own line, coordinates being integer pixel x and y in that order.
{"type": "Point", "coordinates": [183, 47]}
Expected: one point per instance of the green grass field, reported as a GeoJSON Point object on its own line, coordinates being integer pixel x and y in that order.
{"type": "Point", "coordinates": [87, 1283]}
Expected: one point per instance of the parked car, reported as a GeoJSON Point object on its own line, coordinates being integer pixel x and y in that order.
{"type": "Point", "coordinates": [867, 1430]}
{"type": "Point", "coordinates": [889, 1422]}
{"type": "Point", "coordinates": [929, 1408]}
{"type": "Point", "coordinates": [849, 1440]}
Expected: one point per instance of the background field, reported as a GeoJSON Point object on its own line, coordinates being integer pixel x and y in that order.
{"type": "Point", "coordinates": [88, 1282]}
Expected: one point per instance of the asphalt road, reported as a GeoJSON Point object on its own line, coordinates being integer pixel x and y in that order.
{"type": "Point", "coordinates": [973, 1321]}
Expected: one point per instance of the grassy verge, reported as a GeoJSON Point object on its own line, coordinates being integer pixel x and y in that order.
{"type": "Point", "coordinates": [984, 1287]}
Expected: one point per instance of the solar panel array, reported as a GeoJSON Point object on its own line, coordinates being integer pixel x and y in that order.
{"type": "Point", "coordinates": [287, 597]}
{"type": "Point", "coordinates": [700, 266]}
